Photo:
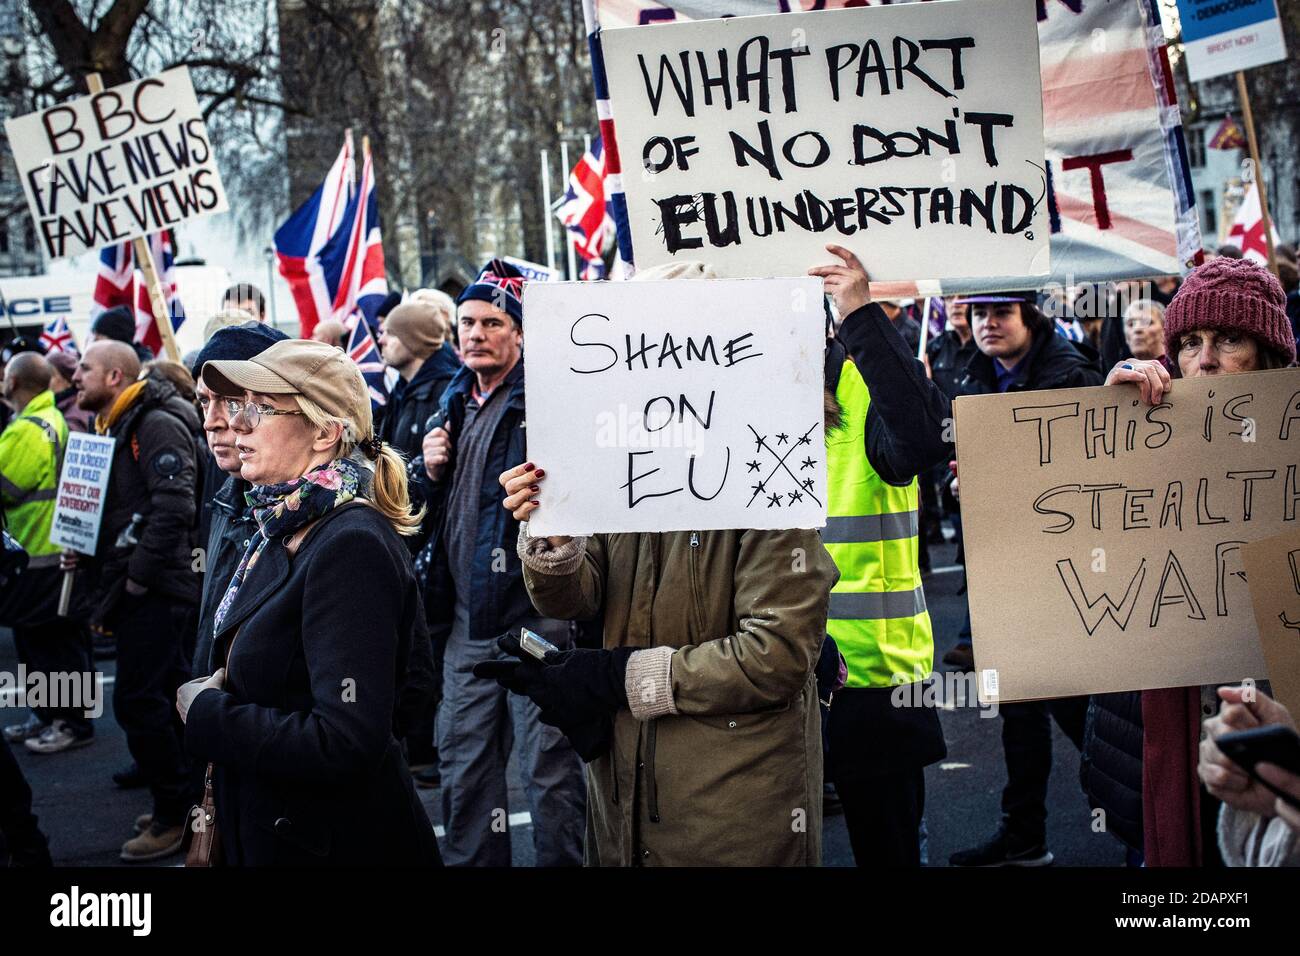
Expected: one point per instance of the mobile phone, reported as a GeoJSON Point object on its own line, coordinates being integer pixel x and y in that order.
{"type": "Point", "coordinates": [1273, 744]}
{"type": "Point", "coordinates": [535, 644]}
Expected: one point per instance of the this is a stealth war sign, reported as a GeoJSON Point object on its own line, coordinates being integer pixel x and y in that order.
{"type": "Point", "coordinates": [117, 165]}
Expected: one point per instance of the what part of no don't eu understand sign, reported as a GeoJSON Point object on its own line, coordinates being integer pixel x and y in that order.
{"type": "Point", "coordinates": [676, 405]}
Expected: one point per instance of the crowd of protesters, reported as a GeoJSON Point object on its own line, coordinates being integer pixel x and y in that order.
{"type": "Point", "coordinates": [316, 605]}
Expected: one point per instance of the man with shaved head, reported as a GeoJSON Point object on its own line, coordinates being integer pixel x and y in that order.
{"type": "Point", "coordinates": [145, 579]}
{"type": "Point", "coordinates": [31, 453]}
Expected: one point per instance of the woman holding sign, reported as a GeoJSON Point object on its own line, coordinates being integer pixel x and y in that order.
{"type": "Point", "coordinates": [1228, 317]}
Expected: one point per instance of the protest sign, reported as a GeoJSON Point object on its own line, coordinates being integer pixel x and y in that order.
{"type": "Point", "coordinates": [1273, 572]}
{"type": "Point", "coordinates": [676, 405]}
{"type": "Point", "coordinates": [116, 165]}
{"type": "Point", "coordinates": [1103, 536]}
{"type": "Point", "coordinates": [1224, 36]}
{"type": "Point", "coordinates": [83, 485]}
{"type": "Point", "coordinates": [1120, 201]}
{"type": "Point", "coordinates": [896, 131]}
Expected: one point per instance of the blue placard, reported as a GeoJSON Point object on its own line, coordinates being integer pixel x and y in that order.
{"type": "Point", "coordinates": [1206, 18]}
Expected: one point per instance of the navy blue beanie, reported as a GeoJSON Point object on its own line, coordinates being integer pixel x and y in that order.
{"type": "Point", "coordinates": [501, 285]}
{"type": "Point", "coordinates": [237, 342]}
{"type": "Point", "coordinates": [117, 323]}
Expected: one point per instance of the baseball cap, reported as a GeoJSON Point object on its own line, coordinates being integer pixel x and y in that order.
{"type": "Point", "coordinates": [319, 372]}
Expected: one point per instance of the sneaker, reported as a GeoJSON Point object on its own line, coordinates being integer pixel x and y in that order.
{"type": "Point", "coordinates": [142, 822]}
{"type": "Point", "coordinates": [130, 778]}
{"type": "Point", "coordinates": [58, 737]}
{"type": "Point", "coordinates": [153, 844]}
{"type": "Point", "coordinates": [33, 726]}
{"type": "Point", "coordinates": [961, 657]}
{"type": "Point", "coordinates": [1003, 851]}
{"type": "Point", "coordinates": [428, 778]}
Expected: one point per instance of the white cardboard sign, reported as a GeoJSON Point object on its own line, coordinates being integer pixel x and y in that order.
{"type": "Point", "coordinates": [912, 134]}
{"type": "Point", "coordinates": [117, 165]}
{"type": "Point", "coordinates": [676, 405]}
{"type": "Point", "coordinates": [83, 486]}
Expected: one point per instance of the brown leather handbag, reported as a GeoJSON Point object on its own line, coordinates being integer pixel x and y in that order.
{"type": "Point", "coordinates": [205, 845]}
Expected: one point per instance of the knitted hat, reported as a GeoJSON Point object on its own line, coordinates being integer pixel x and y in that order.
{"type": "Point", "coordinates": [1231, 295]}
{"type": "Point", "coordinates": [116, 323]}
{"type": "Point", "coordinates": [237, 343]}
{"type": "Point", "coordinates": [418, 326]}
{"type": "Point", "coordinates": [501, 285]}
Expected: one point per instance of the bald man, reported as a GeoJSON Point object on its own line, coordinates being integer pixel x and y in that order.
{"type": "Point", "coordinates": [144, 582]}
{"type": "Point", "coordinates": [330, 332]}
{"type": "Point", "coordinates": [31, 451]}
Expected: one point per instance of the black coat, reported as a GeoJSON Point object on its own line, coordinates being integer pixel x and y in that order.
{"type": "Point", "coordinates": [413, 403]}
{"type": "Point", "coordinates": [156, 475]}
{"type": "Point", "coordinates": [309, 770]}
{"type": "Point", "coordinates": [231, 529]}
{"type": "Point", "coordinates": [948, 360]}
{"type": "Point", "coordinates": [1053, 362]}
{"type": "Point", "coordinates": [1110, 766]}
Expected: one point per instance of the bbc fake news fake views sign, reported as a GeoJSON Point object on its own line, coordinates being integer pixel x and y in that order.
{"type": "Point", "coordinates": [117, 165]}
{"type": "Point", "coordinates": [911, 134]}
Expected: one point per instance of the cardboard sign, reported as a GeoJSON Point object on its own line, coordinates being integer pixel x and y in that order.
{"type": "Point", "coordinates": [117, 165]}
{"type": "Point", "coordinates": [749, 143]}
{"type": "Point", "coordinates": [1224, 36]}
{"type": "Point", "coordinates": [1273, 571]}
{"type": "Point", "coordinates": [83, 485]}
{"type": "Point", "coordinates": [676, 405]}
{"type": "Point", "coordinates": [1104, 537]}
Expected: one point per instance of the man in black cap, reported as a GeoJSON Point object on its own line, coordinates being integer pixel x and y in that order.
{"type": "Point", "coordinates": [118, 325]}
{"type": "Point", "coordinates": [1019, 351]}
{"type": "Point", "coordinates": [230, 525]}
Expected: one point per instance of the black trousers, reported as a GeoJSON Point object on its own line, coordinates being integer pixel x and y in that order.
{"type": "Point", "coordinates": [883, 815]}
{"type": "Point", "coordinates": [152, 635]}
{"type": "Point", "coordinates": [1027, 748]}
{"type": "Point", "coordinates": [18, 830]}
{"type": "Point", "coordinates": [55, 647]}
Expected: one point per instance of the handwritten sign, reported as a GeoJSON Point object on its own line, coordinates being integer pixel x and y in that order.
{"type": "Point", "coordinates": [127, 162]}
{"type": "Point", "coordinates": [1273, 571]}
{"type": "Point", "coordinates": [83, 485]}
{"type": "Point", "coordinates": [751, 142]}
{"type": "Point", "coordinates": [1104, 537]}
{"type": "Point", "coordinates": [676, 405]}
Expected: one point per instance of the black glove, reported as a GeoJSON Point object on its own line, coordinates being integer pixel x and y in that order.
{"type": "Point", "coordinates": [572, 688]}
{"type": "Point", "coordinates": [592, 739]}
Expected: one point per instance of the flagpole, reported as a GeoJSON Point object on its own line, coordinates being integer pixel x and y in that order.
{"type": "Point", "coordinates": [568, 237]}
{"type": "Point", "coordinates": [157, 300]}
{"type": "Point", "coordinates": [1244, 95]}
{"type": "Point", "coordinates": [546, 211]}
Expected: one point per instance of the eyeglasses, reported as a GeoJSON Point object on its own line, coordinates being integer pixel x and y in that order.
{"type": "Point", "coordinates": [253, 412]}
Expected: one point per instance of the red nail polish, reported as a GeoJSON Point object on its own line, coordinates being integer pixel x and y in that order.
{"type": "Point", "coordinates": [533, 488]}
{"type": "Point", "coordinates": [540, 473]}
{"type": "Point", "coordinates": [529, 467]}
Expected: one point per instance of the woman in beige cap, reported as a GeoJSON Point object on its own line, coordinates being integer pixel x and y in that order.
{"type": "Point", "coordinates": [320, 631]}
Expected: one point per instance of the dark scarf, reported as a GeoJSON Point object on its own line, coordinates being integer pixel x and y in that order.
{"type": "Point", "coordinates": [284, 508]}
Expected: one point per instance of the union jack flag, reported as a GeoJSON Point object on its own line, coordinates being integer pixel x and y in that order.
{"type": "Point", "coordinates": [352, 261]}
{"type": "Point", "coordinates": [365, 353]}
{"type": "Point", "coordinates": [57, 337]}
{"type": "Point", "coordinates": [120, 283]}
{"type": "Point", "coordinates": [583, 211]}
{"type": "Point", "coordinates": [298, 243]}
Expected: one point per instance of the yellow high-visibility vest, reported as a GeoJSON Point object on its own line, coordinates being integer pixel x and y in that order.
{"type": "Point", "coordinates": [877, 609]}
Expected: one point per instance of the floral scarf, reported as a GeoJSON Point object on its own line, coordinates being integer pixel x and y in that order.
{"type": "Point", "coordinates": [284, 508]}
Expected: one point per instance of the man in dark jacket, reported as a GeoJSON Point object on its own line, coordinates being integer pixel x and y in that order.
{"type": "Point", "coordinates": [231, 525]}
{"type": "Point", "coordinates": [413, 341]}
{"type": "Point", "coordinates": [476, 592]}
{"type": "Point", "coordinates": [1019, 350]}
{"type": "Point", "coordinates": [146, 586]}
